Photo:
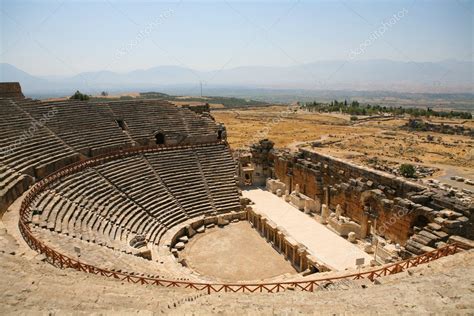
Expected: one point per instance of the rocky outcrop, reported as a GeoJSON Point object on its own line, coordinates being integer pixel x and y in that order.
{"type": "Point", "coordinates": [11, 90]}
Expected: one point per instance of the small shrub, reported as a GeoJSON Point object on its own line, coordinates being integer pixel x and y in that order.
{"type": "Point", "coordinates": [407, 170]}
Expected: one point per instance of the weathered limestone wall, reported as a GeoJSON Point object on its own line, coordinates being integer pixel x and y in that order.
{"type": "Point", "coordinates": [381, 203]}
{"type": "Point", "coordinates": [334, 170]}
{"type": "Point", "coordinates": [260, 161]}
{"type": "Point", "coordinates": [387, 217]}
{"type": "Point", "coordinates": [292, 174]}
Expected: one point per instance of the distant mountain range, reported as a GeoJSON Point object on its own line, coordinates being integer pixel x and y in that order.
{"type": "Point", "coordinates": [370, 75]}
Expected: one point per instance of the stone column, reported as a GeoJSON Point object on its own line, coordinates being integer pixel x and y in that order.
{"type": "Point", "coordinates": [324, 214]}
{"type": "Point", "coordinates": [307, 206]}
{"type": "Point", "coordinates": [262, 228]}
{"type": "Point", "coordinates": [363, 226]}
{"type": "Point", "coordinates": [338, 211]}
{"type": "Point", "coordinates": [303, 258]}
{"type": "Point", "coordinates": [326, 195]}
{"type": "Point", "coordinates": [294, 256]}
{"type": "Point", "coordinates": [278, 240]}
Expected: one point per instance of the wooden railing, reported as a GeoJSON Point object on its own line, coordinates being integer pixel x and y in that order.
{"type": "Point", "coordinates": [62, 261]}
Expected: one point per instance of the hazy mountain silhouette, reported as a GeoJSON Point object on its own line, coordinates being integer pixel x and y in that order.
{"type": "Point", "coordinates": [370, 75]}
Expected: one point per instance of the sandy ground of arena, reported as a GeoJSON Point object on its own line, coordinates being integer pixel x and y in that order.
{"type": "Point", "coordinates": [235, 253]}
{"type": "Point", "coordinates": [332, 250]}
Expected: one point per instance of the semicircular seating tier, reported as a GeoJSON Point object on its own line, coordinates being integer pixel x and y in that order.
{"type": "Point", "coordinates": [140, 195]}
{"type": "Point", "coordinates": [39, 137]}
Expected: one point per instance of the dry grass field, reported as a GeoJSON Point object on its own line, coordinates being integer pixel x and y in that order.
{"type": "Point", "coordinates": [383, 139]}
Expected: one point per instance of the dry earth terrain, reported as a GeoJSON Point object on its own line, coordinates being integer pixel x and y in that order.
{"type": "Point", "coordinates": [235, 253]}
{"type": "Point", "coordinates": [382, 139]}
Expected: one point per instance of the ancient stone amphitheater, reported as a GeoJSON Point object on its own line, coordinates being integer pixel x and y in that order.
{"type": "Point", "coordinates": [107, 199]}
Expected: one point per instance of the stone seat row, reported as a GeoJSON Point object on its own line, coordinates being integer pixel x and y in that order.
{"type": "Point", "coordinates": [81, 125]}
{"type": "Point", "coordinates": [105, 257]}
{"type": "Point", "coordinates": [140, 195]}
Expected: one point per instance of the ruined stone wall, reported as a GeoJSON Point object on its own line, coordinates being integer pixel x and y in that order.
{"type": "Point", "coordinates": [335, 170]}
{"type": "Point", "coordinates": [292, 173]}
{"type": "Point", "coordinates": [399, 210]}
{"type": "Point", "coordinates": [313, 170]}
{"type": "Point", "coordinates": [420, 125]}
{"type": "Point", "coordinates": [392, 218]}
{"type": "Point", "coordinates": [204, 108]}
{"type": "Point", "coordinates": [372, 198]}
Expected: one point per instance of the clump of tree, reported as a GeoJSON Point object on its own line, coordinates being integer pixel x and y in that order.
{"type": "Point", "coordinates": [355, 108]}
{"type": "Point", "coordinates": [407, 170]}
{"type": "Point", "coordinates": [104, 93]}
{"type": "Point", "coordinates": [79, 96]}
{"type": "Point", "coordinates": [417, 125]}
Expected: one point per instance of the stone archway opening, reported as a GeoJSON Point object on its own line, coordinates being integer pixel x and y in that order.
{"type": "Point", "coordinates": [420, 221]}
{"type": "Point", "coordinates": [160, 138]}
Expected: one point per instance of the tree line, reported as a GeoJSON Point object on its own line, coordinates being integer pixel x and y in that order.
{"type": "Point", "coordinates": [355, 108]}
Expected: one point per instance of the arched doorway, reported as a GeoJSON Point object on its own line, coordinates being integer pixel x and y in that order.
{"type": "Point", "coordinates": [219, 134]}
{"type": "Point", "coordinates": [420, 221]}
{"type": "Point", "coordinates": [160, 138]}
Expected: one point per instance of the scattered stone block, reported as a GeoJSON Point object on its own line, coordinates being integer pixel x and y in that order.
{"type": "Point", "coordinates": [447, 213]}
{"type": "Point", "coordinates": [179, 246]}
{"type": "Point", "coordinates": [434, 226]}
{"type": "Point", "coordinates": [441, 234]}
{"type": "Point", "coordinates": [427, 249]}
{"type": "Point", "coordinates": [201, 229]}
{"type": "Point", "coordinates": [351, 237]}
{"type": "Point", "coordinates": [463, 242]}
{"type": "Point", "coordinates": [421, 199]}
{"type": "Point", "coordinates": [191, 231]}
{"type": "Point", "coordinates": [221, 221]}
{"type": "Point", "coordinates": [184, 239]}
{"type": "Point", "coordinates": [368, 248]}
{"type": "Point", "coordinates": [428, 235]}
{"type": "Point", "coordinates": [421, 239]}
{"type": "Point", "coordinates": [439, 220]}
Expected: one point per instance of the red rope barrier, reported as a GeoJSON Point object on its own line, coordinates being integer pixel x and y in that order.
{"type": "Point", "coordinates": [63, 261]}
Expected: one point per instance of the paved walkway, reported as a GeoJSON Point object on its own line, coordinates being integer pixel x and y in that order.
{"type": "Point", "coordinates": [328, 247]}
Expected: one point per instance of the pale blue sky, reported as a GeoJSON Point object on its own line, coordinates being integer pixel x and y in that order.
{"type": "Point", "coordinates": [67, 37]}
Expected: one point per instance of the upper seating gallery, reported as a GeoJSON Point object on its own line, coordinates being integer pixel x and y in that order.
{"type": "Point", "coordinates": [39, 137]}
